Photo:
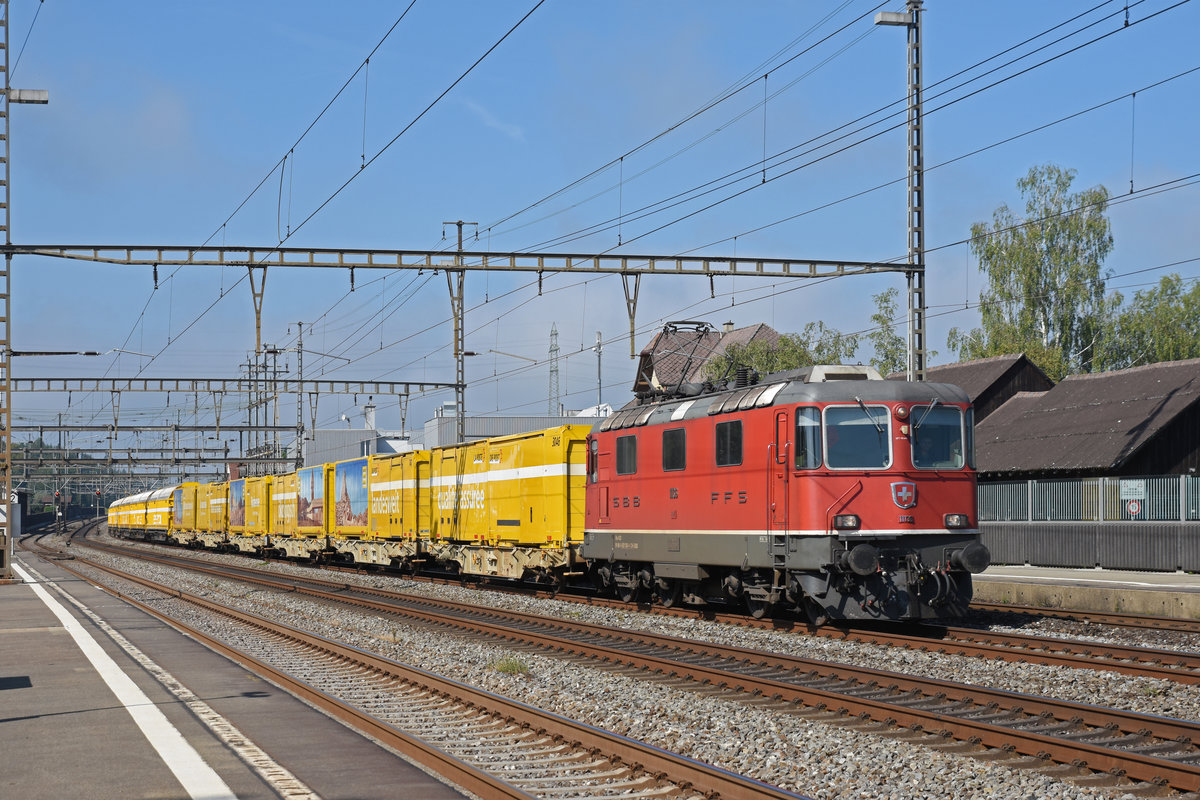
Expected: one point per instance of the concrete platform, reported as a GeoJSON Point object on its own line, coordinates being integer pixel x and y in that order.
{"type": "Point", "coordinates": [118, 705]}
{"type": "Point", "coordinates": [1161, 594]}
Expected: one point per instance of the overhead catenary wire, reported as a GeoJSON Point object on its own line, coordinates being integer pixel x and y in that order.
{"type": "Point", "coordinates": [621, 216]}
{"type": "Point", "coordinates": [176, 337]}
{"type": "Point", "coordinates": [731, 179]}
{"type": "Point", "coordinates": [861, 118]}
{"type": "Point", "coordinates": [367, 163]}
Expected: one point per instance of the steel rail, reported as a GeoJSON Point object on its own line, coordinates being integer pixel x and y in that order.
{"type": "Point", "coordinates": [1119, 619]}
{"type": "Point", "coordinates": [938, 694]}
{"type": "Point", "coordinates": [705, 779]}
{"type": "Point", "coordinates": [1170, 665]}
{"type": "Point", "coordinates": [453, 769]}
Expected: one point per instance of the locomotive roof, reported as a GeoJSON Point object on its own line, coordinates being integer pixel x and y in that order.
{"type": "Point", "coordinates": [818, 384]}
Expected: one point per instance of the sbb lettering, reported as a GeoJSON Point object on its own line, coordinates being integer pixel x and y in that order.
{"type": "Point", "coordinates": [728, 497]}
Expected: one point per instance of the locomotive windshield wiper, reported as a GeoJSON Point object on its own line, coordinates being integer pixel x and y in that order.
{"type": "Point", "coordinates": [863, 406]}
{"type": "Point", "coordinates": [932, 403]}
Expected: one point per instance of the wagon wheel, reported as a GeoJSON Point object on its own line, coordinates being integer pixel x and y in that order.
{"type": "Point", "coordinates": [668, 592]}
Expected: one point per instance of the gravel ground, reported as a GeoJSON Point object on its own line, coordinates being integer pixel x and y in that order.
{"type": "Point", "coordinates": [820, 760]}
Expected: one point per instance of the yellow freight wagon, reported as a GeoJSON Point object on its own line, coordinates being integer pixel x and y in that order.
{"type": "Point", "coordinates": [384, 529]}
{"type": "Point", "coordinates": [399, 487]}
{"type": "Point", "coordinates": [349, 488]}
{"type": "Point", "coordinates": [158, 513]}
{"type": "Point", "coordinates": [183, 513]}
{"type": "Point", "coordinates": [511, 506]}
{"type": "Point", "coordinates": [307, 537]}
{"type": "Point", "coordinates": [254, 513]}
{"type": "Point", "coordinates": [283, 506]}
{"type": "Point", "coordinates": [211, 514]}
{"type": "Point", "coordinates": [128, 515]}
{"type": "Point", "coordinates": [258, 505]}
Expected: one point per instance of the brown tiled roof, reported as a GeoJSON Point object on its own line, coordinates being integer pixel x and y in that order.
{"type": "Point", "coordinates": [1087, 422]}
{"type": "Point", "coordinates": [973, 377]}
{"type": "Point", "coordinates": [680, 355]}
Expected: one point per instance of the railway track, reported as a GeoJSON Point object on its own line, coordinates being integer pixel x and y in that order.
{"type": "Point", "coordinates": [488, 744]}
{"type": "Point", "coordinates": [1172, 665]}
{"type": "Point", "coordinates": [1091, 744]}
{"type": "Point", "coordinates": [1138, 621]}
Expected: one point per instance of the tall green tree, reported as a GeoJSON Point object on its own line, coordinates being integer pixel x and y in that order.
{"type": "Point", "coordinates": [1045, 282]}
{"type": "Point", "coordinates": [816, 344]}
{"type": "Point", "coordinates": [891, 349]}
{"type": "Point", "coordinates": [1160, 324]}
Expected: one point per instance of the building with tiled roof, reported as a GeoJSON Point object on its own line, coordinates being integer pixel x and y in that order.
{"type": "Point", "coordinates": [989, 382]}
{"type": "Point", "coordinates": [1138, 421]}
{"type": "Point", "coordinates": [679, 353]}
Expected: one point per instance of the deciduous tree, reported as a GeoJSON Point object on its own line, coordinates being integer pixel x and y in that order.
{"type": "Point", "coordinates": [891, 349]}
{"type": "Point", "coordinates": [816, 344]}
{"type": "Point", "coordinates": [1045, 285]}
{"type": "Point", "coordinates": [1160, 324]}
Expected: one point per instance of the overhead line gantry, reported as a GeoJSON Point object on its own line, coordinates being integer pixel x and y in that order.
{"type": "Point", "coordinates": [631, 267]}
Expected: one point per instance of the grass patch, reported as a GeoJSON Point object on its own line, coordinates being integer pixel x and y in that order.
{"type": "Point", "coordinates": [510, 665]}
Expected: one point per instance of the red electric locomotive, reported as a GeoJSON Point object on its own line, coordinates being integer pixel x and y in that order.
{"type": "Point", "coordinates": [826, 489]}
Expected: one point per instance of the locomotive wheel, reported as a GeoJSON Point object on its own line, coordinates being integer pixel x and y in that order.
{"type": "Point", "coordinates": [758, 607]}
{"type": "Point", "coordinates": [816, 612]}
{"type": "Point", "coordinates": [668, 592]}
{"type": "Point", "coordinates": [628, 594]}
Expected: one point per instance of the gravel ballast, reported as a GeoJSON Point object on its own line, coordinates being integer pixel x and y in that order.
{"type": "Point", "coordinates": [817, 759]}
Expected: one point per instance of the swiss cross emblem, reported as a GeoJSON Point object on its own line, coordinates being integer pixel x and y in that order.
{"type": "Point", "coordinates": [904, 494]}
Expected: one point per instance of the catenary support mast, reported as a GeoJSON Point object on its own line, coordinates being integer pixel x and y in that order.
{"type": "Point", "coordinates": [911, 20]}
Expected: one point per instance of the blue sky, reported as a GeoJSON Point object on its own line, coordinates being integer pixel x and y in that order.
{"type": "Point", "coordinates": [164, 117]}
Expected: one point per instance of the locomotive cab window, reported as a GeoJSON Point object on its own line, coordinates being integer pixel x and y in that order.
{"type": "Point", "coordinates": [937, 437]}
{"type": "Point", "coordinates": [626, 455]}
{"type": "Point", "coordinates": [729, 443]}
{"type": "Point", "coordinates": [808, 437]}
{"type": "Point", "coordinates": [857, 437]}
{"type": "Point", "coordinates": [674, 450]}
{"type": "Point", "coordinates": [593, 461]}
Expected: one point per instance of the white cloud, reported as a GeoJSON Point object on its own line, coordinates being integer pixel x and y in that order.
{"type": "Point", "coordinates": [514, 132]}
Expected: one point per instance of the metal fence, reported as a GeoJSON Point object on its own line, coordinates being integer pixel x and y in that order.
{"type": "Point", "coordinates": [1146, 523]}
{"type": "Point", "coordinates": [1152, 498]}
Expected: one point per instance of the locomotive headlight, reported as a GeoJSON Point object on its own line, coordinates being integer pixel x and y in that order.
{"type": "Point", "coordinates": [901, 412]}
{"type": "Point", "coordinates": [957, 521]}
{"type": "Point", "coordinates": [846, 522]}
